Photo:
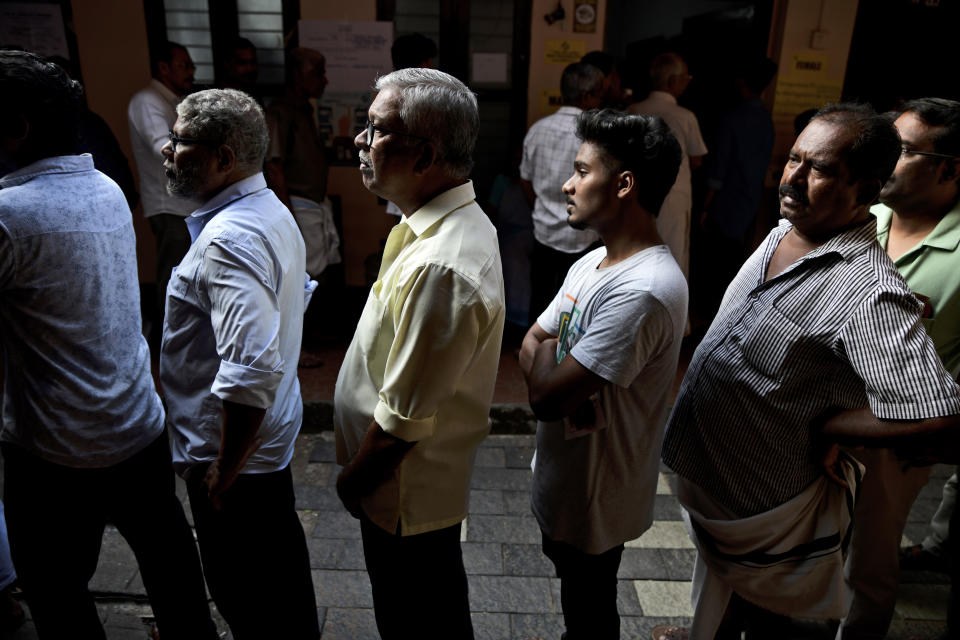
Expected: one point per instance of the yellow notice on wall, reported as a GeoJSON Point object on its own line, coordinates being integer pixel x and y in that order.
{"type": "Point", "coordinates": [550, 101]}
{"type": "Point", "coordinates": [805, 83]}
{"type": "Point", "coordinates": [564, 51]}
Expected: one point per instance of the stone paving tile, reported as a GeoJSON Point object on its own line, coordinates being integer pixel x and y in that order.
{"type": "Point", "coordinates": [642, 564]}
{"type": "Point", "coordinates": [318, 474]}
{"type": "Point", "coordinates": [679, 563]}
{"type": "Point", "coordinates": [482, 558]}
{"type": "Point", "coordinates": [117, 564]}
{"type": "Point", "coordinates": [517, 502]}
{"type": "Point", "coordinates": [316, 498]}
{"type": "Point", "coordinates": [519, 457]}
{"type": "Point", "coordinates": [486, 501]}
{"type": "Point", "coordinates": [308, 520]}
{"type": "Point", "coordinates": [526, 560]}
{"type": "Point", "coordinates": [349, 624]}
{"type": "Point", "coordinates": [922, 601]}
{"type": "Point", "coordinates": [490, 626]}
{"type": "Point", "coordinates": [548, 626]}
{"type": "Point", "coordinates": [336, 524]}
{"type": "Point", "coordinates": [323, 451]}
{"type": "Point", "coordinates": [348, 589]}
{"type": "Point", "coordinates": [666, 508]}
{"type": "Point", "coordinates": [510, 594]}
{"type": "Point", "coordinates": [903, 629]}
{"type": "Point", "coordinates": [523, 529]}
{"type": "Point", "coordinates": [925, 577]}
{"type": "Point", "coordinates": [500, 478]}
{"type": "Point", "coordinates": [627, 603]}
{"type": "Point", "coordinates": [490, 457]}
{"type": "Point", "coordinates": [942, 471]}
{"type": "Point", "coordinates": [509, 441]}
{"type": "Point", "coordinates": [663, 485]}
{"type": "Point", "coordinates": [664, 598]}
{"type": "Point", "coordinates": [324, 552]}
{"type": "Point", "coordinates": [663, 535]}
{"type": "Point", "coordinates": [639, 628]}
{"type": "Point", "coordinates": [352, 557]}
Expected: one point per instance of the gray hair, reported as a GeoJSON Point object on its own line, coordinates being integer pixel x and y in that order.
{"type": "Point", "coordinates": [664, 67]}
{"type": "Point", "coordinates": [228, 116]}
{"type": "Point", "coordinates": [578, 79]}
{"type": "Point", "coordinates": [436, 106]}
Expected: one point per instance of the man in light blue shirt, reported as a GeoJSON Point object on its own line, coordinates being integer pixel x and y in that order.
{"type": "Point", "coordinates": [228, 364]}
{"type": "Point", "coordinates": [83, 437]}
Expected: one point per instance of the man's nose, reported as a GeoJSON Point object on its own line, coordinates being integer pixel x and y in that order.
{"type": "Point", "coordinates": [167, 150]}
{"type": "Point", "coordinates": [360, 140]}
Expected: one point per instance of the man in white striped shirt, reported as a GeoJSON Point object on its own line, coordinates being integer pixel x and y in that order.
{"type": "Point", "coordinates": [818, 339]}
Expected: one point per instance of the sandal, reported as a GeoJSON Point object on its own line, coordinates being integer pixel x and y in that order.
{"type": "Point", "coordinates": [670, 632]}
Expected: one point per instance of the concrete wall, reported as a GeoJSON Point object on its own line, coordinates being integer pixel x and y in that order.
{"type": "Point", "coordinates": [115, 63]}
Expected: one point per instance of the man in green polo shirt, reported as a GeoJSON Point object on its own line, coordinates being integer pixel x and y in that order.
{"type": "Point", "coordinates": [918, 223]}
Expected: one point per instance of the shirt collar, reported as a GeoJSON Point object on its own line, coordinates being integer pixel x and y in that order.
{"type": "Point", "coordinates": [435, 210]}
{"type": "Point", "coordinates": [239, 189]}
{"type": "Point", "coordinates": [162, 89]}
{"type": "Point", "coordinates": [662, 96]}
{"type": "Point", "coordinates": [569, 110]}
{"type": "Point", "coordinates": [846, 244]}
{"type": "Point", "coordinates": [56, 164]}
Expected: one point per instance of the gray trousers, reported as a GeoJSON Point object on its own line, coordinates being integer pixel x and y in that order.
{"type": "Point", "coordinates": [936, 542]}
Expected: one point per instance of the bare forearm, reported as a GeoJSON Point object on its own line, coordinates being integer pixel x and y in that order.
{"type": "Point", "coordinates": [240, 426]}
{"type": "Point", "coordinates": [379, 455]}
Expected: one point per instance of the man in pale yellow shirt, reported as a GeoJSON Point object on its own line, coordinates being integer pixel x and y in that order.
{"type": "Point", "coordinates": [414, 391]}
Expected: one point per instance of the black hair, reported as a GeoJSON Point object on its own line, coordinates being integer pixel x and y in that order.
{"type": "Point", "coordinates": [164, 53]}
{"type": "Point", "coordinates": [875, 149]}
{"type": "Point", "coordinates": [939, 112]}
{"type": "Point", "coordinates": [601, 60]}
{"type": "Point", "coordinates": [412, 50]}
{"type": "Point", "coordinates": [42, 95]}
{"type": "Point", "coordinates": [758, 72]}
{"type": "Point", "coordinates": [643, 145]}
{"type": "Point", "coordinates": [579, 78]}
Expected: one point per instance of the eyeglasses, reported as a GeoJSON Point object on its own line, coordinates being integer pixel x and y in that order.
{"type": "Point", "coordinates": [904, 151]}
{"type": "Point", "coordinates": [175, 140]}
{"type": "Point", "coordinates": [371, 128]}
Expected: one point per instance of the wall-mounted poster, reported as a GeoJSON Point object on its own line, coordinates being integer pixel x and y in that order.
{"type": "Point", "coordinates": [37, 28]}
{"type": "Point", "coordinates": [565, 51]}
{"type": "Point", "coordinates": [584, 16]}
{"type": "Point", "coordinates": [356, 52]}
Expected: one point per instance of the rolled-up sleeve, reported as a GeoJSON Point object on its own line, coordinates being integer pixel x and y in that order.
{"type": "Point", "coordinates": [438, 315]}
{"type": "Point", "coordinates": [245, 316]}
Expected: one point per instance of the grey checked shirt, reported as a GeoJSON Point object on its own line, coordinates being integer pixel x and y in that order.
{"type": "Point", "coordinates": [549, 151]}
{"type": "Point", "coordinates": [838, 329]}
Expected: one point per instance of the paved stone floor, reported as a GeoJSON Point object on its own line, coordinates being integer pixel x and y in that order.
{"type": "Point", "coordinates": [513, 591]}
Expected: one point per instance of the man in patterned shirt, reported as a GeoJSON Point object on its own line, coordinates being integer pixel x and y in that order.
{"type": "Point", "coordinates": [818, 337]}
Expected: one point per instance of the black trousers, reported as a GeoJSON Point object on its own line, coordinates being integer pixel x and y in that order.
{"type": "Point", "coordinates": [55, 519]}
{"type": "Point", "coordinates": [255, 556]}
{"type": "Point", "coordinates": [588, 590]}
{"type": "Point", "coordinates": [419, 583]}
{"type": "Point", "coordinates": [548, 268]}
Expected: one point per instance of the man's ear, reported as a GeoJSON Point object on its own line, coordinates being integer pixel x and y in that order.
{"type": "Point", "coordinates": [626, 185]}
{"type": "Point", "coordinates": [226, 159]}
{"type": "Point", "coordinates": [426, 158]}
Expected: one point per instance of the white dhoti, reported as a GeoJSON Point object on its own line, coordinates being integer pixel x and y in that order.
{"type": "Point", "coordinates": [788, 560]}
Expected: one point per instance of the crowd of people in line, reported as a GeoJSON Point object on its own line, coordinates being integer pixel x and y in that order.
{"type": "Point", "coordinates": [803, 430]}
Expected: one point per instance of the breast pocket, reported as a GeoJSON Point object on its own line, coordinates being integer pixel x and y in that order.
{"type": "Point", "coordinates": [776, 345]}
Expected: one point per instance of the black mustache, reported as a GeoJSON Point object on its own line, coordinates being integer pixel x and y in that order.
{"type": "Point", "coordinates": [787, 190]}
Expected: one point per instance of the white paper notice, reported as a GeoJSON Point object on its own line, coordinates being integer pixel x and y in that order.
{"type": "Point", "coordinates": [37, 28]}
{"type": "Point", "coordinates": [489, 68]}
{"type": "Point", "coordinates": [356, 52]}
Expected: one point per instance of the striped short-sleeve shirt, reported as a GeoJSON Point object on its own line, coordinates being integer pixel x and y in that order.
{"type": "Point", "coordinates": [838, 329]}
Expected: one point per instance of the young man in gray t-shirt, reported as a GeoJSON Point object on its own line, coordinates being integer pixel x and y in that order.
{"type": "Point", "coordinates": [600, 362]}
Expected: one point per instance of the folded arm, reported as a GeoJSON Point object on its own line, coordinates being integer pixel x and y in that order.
{"type": "Point", "coordinates": [556, 390]}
